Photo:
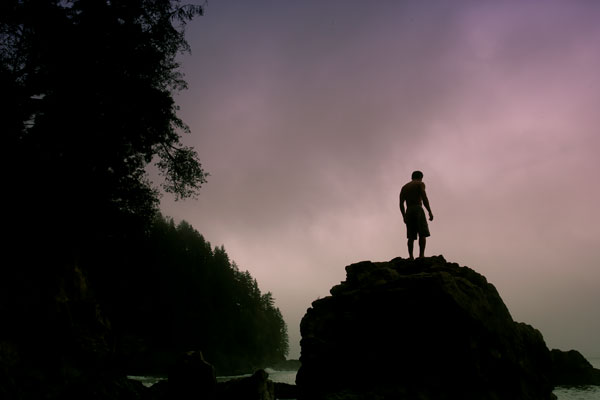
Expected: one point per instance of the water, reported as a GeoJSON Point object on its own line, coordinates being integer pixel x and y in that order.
{"type": "Point", "coordinates": [580, 392]}
{"type": "Point", "coordinates": [146, 380]}
{"type": "Point", "coordinates": [563, 393]}
{"type": "Point", "coordinates": [276, 376]}
{"type": "Point", "coordinates": [282, 376]}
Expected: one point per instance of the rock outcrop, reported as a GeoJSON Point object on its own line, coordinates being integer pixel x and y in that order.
{"type": "Point", "coordinates": [419, 329]}
{"type": "Point", "coordinates": [192, 378]}
{"type": "Point", "coordinates": [571, 368]}
{"type": "Point", "coordinates": [255, 387]}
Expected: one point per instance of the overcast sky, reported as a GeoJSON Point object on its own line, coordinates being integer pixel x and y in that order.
{"type": "Point", "coordinates": [311, 115]}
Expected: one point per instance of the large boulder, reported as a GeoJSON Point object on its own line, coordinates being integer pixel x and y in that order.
{"type": "Point", "coordinates": [419, 329]}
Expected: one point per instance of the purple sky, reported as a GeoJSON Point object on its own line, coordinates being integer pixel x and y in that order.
{"type": "Point", "coordinates": [310, 116]}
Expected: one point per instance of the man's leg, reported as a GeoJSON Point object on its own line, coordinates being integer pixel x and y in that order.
{"type": "Point", "coordinates": [411, 245]}
{"type": "Point", "coordinates": [422, 243]}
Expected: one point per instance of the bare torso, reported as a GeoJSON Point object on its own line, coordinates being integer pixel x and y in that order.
{"type": "Point", "coordinates": [413, 193]}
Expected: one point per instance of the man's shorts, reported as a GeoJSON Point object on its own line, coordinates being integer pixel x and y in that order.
{"type": "Point", "coordinates": [416, 223]}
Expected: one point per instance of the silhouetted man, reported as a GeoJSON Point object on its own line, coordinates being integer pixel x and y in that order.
{"type": "Point", "coordinates": [413, 193]}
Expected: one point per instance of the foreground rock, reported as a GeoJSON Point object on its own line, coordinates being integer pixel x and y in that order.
{"type": "Point", "coordinates": [255, 387]}
{"type": "Point", "coordinates": [285, 391]}
{"type": "Point", "coordinates": [422, 329]}
{"type": "Point", "coordinates": [192, 378]}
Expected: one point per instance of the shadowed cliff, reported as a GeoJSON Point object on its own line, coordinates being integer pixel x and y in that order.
{"type": "Point", "coordinates": [425, 329]}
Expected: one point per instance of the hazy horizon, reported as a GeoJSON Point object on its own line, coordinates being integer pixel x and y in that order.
{"type": "Point", "coordinates": [310, 116]}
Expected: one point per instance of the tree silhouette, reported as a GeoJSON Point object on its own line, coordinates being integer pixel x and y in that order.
{"type": "Point", "coordinates": [88, 105]}
{"type": "Point", "coordinates": [174, 292]}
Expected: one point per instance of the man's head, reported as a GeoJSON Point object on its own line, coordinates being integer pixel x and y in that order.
{"type": "Point", "coordinates": [417, 176]}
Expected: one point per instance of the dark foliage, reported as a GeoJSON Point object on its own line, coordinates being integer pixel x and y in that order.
{"type": "Point", "coordinates": [173, 292]}
{"type": "Point", "coordinates": [86, 104]}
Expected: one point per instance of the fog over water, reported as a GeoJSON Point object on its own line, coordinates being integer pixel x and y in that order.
{"type": "Point", "coordinates": [311, 115]}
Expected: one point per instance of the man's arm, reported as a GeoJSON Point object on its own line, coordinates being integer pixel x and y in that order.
{"type": "Point", "coordinates": [402, 210]}
{"type": "Point", "coordinates": [426, 202]}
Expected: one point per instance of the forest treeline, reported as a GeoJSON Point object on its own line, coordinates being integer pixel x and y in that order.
{"type": "Point", "coordinates": [93, 277]}
{"type": "Point", "coordinates": [171, 292]}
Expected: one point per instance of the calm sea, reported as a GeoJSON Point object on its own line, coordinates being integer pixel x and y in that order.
{"type": "Point", "coordinates": [563, 393]}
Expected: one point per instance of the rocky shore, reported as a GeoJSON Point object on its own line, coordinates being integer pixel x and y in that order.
{"type": "Point", "coordinates": [425, 329]}
{"type": "Point", "coordinates": [404, 329]}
